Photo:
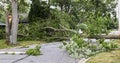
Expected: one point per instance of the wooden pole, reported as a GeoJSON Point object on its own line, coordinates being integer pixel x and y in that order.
{"type": "Point", "coordinates": [119, 14]}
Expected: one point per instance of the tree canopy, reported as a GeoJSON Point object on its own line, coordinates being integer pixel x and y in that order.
{"type": "Point", "coordinates": [93, 17]}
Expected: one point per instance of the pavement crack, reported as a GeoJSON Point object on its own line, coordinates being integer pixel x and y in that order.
{"type": "Point", "coordinates": [60, 60]}
{"type": "Point", "coordinates": [20, 59]}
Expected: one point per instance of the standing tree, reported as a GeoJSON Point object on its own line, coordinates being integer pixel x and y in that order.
{"type": "Point", "coordinates": [96, 13]}
{"type": "Point", "coordinates": [13, 37]}
{"type": "Point", "coordinates": [42, 12]}
{"type": "Point", "coordinates": [11, 6]}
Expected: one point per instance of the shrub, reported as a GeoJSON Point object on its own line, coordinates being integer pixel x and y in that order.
{"type": "Point", "coordinates": [2, 32]}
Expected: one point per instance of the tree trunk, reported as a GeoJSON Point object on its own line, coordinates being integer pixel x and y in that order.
{"type": "Point", "coordinates": [105, 36]}
{"type": "Point", "coordinates": [7, 29]}
{"type": "Point", "coordinates": [13, 37]}
{"type": "Point", "coordinates": [85, 36]}
{"type": "Point", "coordinates": [61, 7]}
{"type": "Point", "coordinates": [49, 2]}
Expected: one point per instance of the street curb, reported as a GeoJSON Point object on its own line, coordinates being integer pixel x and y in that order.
{"type": "Point", "coordinates": [12, 53]}
{"type": "Point", "coordinates": [83, 60]}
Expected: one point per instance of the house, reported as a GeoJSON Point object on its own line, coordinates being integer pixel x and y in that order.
{"type": "Point", "coordinates": [2, 24]}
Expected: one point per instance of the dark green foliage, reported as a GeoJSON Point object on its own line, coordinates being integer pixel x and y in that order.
{"type": "Point", "coordinates": [39, 10]}
{"type": "Point", "coordinates": [64, 19]}
{"type": "Point", "coordinates": [2, 33]}
{"type": "Point", "coordinates": [34, 52]}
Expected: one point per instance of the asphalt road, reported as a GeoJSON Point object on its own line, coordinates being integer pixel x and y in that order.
{"type": "Point", "coordinates": [51, 53]}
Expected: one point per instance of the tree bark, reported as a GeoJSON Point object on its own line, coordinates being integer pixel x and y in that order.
{"type": "Point", "coordinates": [13, 37]}
{"type": "Point", "coordinates": [85, 36]}
{"type": "Point", "coordinates": [105, 36]}
{"type": "Point", "coordinates": [7, 29]}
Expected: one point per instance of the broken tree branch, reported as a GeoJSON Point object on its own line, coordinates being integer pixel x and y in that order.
{"type": "Point", "coordinates": [95, 37]}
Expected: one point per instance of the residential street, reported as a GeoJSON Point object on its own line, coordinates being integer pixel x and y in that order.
{"type": "Point", "coordinates": [51, 54]}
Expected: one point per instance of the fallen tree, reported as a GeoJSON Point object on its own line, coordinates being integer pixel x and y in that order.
{"type": "Point", "coordinates": [91, 37]}
{"type": "Point", "coordinates": [105, 36]}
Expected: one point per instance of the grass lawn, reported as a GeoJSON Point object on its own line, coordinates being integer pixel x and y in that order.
{"type": "Point", "coordinates": [20, 43]}
{"type": "Point", "coordinates": [106, 57]}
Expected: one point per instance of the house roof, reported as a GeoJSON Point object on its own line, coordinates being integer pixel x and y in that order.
{"type": "Point", "coordinates": [2, 24]}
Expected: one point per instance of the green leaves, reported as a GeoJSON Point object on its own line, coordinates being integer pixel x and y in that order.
{"type": "Point", "coordinates": [107, 45]}
{"type": "Point", "coordinates": [98, 15]}
{"type": "Point", "coordinates": [34, 52]}
{"type": "Point", "coordinates": [78, 48]}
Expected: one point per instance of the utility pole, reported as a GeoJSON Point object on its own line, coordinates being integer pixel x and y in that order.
{"type": "Point", "coordinates": [119, 15]}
